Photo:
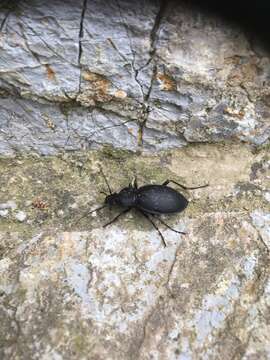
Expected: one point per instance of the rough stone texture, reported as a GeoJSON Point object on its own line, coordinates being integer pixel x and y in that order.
{"type": "Point", "coordinates": [133, 74]}
{"type": "Point", "coordinates": [116, 77]}
{"type": "Point", "coordinates": [73, 290]}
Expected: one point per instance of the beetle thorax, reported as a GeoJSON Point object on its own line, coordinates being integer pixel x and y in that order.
{"type": "Point", "coordinates": [126, 198]}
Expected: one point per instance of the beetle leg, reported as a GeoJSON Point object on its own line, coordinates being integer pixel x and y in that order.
{"type": "Point", "coordinates": [106, 181]}
{"type": "Point", "coordinates": [155, 226]}
{"type": "Point", "coordinates": [114, 219]}
{"type": "Point", "coordinates": [183, 186]}
{"type": "Point", "coordinates": [168, 226]}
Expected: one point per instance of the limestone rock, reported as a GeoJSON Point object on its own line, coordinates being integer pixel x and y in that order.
{"type": "Point", "coordinates": [144, 75]}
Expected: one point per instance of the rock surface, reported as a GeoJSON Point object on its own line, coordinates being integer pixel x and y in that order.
{"type": "Point", "coordinates": [153, 75]}
{"type": "Point", "coordinates": [156, 89]}
{"type": "Point", "coordinates": [73, 290]}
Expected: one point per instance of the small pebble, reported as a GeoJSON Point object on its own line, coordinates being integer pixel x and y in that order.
{"type": "Point", "coordinates": [3, 213]}
{"type": "Point", "coordinates": [267, 196]}
{"type": "Point", "coordinates": [73, 206]}
{"type": "Point", "coordinates": [21, 216]}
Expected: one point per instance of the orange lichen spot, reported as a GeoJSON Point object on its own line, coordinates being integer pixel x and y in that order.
{"type": "Point", "coordinates": [50, 72]}
{"type": "Point", "coordinates": [120, 94]}
{"type": "Point", "coordinates": [130, 131]}
{"type": "Point", "coordinates": [99, 86]}
{"type": "Point", "coordinates": [167, 83]}
{"type": "Point", "coordinates": [89, 76]}
{"type": "Point", "coordinates": [51, 125]}
{"type": "Point", "coordinates": [234, 112]}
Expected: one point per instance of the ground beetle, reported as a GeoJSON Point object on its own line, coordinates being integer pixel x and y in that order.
{"type": "Point", "coordinates": [149, 200]}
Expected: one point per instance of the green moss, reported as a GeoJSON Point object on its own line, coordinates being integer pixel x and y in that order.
{"type": "Point", "coordinates": [66, 107]}
{"type": "Point", "coordinates": [109, 152]}
{"type": "Point", "coordinates": [70, 183]}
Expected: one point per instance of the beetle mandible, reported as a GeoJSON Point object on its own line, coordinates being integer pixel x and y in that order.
{"type": "Point", "coordinates": [149, 200]}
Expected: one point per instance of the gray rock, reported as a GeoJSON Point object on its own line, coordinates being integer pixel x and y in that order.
{"type": "Point", "coordinates": [158, 64]}
{"type": "Point", "coordinates": [39, 49]}
{"type": "Point", "coordinates": [57, 129]}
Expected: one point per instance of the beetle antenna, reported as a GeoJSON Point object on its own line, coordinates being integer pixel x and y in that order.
{"type": "Point", "coordinates": [106, 181]}
{"type": "Point", "coordinates": [90, 212]}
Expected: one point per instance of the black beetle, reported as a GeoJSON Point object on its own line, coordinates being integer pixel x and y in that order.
{"type": "Point", "coordinates": [149, 200]}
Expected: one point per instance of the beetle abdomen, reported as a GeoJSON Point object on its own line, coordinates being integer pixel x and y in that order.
{"type": "Point", "coordinates": [160, 199]}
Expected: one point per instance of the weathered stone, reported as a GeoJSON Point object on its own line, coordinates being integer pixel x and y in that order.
{"type": "Point", "coordinates": [74, 290]}
{"type": "Point", "coordinates": [179, 74]}
{"type": "Point", "coordinates": [57, 129]}
{"type": "Point", "coordinates": [113, 76]}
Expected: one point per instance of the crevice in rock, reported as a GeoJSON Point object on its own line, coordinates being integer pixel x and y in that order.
{"type": "Point", "coordinates": [117, 50]}
{"type": "Point", "coordinates": [34, 54]}
{"type": "Point", "coordinates": [259, 235]}
{"type": "Point", "coordinates": [156, 27]}
{"type": "Point", "coordinates": [144, 332]}
{"type": "Point", "coordinates": [261, 239]}
{"type": "Point", "coordinates": [4, 20]}
{"type": "Point", "coordinates": [154, 33]}
{"type": "Point", "coordinates": [171, 269]}
{"type": "Point", "coordinates": [132, 64]}
{"type": "Point", "coordinates": [153, 41]}
{"type": "Point", "coordinates": [147, 108]}
{"type": "Point", "coordinates": [81, 34]}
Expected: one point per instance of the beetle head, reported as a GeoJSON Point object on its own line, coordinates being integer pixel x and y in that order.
{"type": "Point", "coordinates": [112, 199]}
{"type": "Point", "coordinates": [126, 197]}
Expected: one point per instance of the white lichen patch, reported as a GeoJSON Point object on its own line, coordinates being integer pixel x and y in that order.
{"type": "Point", "coordinates": [78, 278]}
{"type": "Point", "coordinates": [133, 273]}
{"type": "Point", "coordinates": [215, 308]}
